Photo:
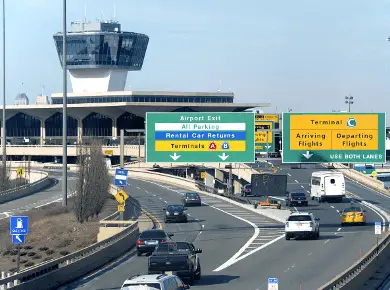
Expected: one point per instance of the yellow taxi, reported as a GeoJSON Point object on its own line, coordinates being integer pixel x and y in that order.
{"type": "Point", "coordinates": [353, 215]}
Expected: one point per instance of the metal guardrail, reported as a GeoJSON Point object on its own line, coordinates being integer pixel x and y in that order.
{"type": "Point", "coordinates": [349, 276]}
{"type": "Point", "coordinates": [46, 268]}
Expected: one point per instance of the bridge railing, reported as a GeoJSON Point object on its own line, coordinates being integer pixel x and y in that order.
{"type": "Point", "coordinates": [354, 277]}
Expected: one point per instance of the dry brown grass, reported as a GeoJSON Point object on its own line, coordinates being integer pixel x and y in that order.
{"type": "Point", "coordinates": [54, 231]}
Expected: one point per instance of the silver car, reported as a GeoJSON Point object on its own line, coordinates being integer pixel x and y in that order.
{"type": "Point", "coordinates": [191, 198]}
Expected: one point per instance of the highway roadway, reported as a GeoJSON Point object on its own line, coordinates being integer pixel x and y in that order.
{"type": "Point", "coordinates": [231, 261]}
{"type": "Point", "coordinates": [39, 199]}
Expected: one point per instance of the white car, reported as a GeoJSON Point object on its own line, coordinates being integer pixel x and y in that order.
{"type": "Point", "coordinates": [154, 282]}
{"type": "Point", "coordinates": [302, 224]}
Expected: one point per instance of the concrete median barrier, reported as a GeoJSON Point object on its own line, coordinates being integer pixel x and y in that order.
{"type": "Point", "coordinates": [361, 178]}
{"type": "Point", "coordinates": [40, 180]}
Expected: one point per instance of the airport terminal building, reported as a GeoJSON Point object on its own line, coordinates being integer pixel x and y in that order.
{"type": "Point", "coordinates": [99, 57]}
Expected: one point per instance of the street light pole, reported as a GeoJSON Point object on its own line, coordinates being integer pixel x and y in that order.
{"type": "Point", "coordinates": [64, 114]}
{"type": "Point", "coordinates": [349, 102]}
{"type": "Point", "coordinates": [3, 139]}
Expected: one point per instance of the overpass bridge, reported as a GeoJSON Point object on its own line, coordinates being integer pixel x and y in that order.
{"type": "Point", "coordinates": [56, 150]}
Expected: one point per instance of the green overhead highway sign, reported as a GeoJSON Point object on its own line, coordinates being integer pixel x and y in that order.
{"type": "Point", "coordinates": [334, 138]}
{"type": "Point", "coordinates": [200, 137]}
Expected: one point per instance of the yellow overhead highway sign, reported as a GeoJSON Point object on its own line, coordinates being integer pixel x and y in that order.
{"type": "Point", "coordinates": [20, 171]}
{"type": "Point", "coordinates": [267, 117]}
{"type": "Point", "coordinates": [121, 196]}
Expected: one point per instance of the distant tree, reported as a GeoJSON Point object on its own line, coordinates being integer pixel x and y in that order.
{"type": "Point", "coordinates": [93, 181]}
{"type": "Point", "coordinates": [4, 176]}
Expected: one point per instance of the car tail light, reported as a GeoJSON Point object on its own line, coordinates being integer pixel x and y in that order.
{"type": "Point", "coordinates": [307, 198]}
{"type": "Point", "coordinates": [198, 198]}
{"type": "Point", "coordinates": [247, 190]}
{"type": "Point", "coordinates": [139, 242]}
{"type": "Point", "coordinates": [163, 240]}
{"type": "Point", "coordinates": [286, 224]}
{"type": "Point", "coordinates": [311, 224]}
{"type": "Point", "coordinates": [291, 198]}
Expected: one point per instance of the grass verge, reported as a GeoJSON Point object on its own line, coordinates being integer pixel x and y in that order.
{"type": "Point", "coordinates": [53, 232]}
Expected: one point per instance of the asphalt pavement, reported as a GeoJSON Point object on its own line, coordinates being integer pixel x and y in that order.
{"type": "Point", "coordinates": [230, 261]}
{"type": "Point", "coordinates": [39, 199]}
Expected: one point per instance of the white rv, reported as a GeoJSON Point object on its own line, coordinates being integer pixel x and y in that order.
{"type": "Point", "coordinates": [327, 185]}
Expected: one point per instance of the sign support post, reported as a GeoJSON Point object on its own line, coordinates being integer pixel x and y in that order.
{"type": "Point", "coordinates": [122, 148]}
{"type": "Point", "coordinates": [18, 258]}
{"type": "Point", "coordinates": [378, 232]}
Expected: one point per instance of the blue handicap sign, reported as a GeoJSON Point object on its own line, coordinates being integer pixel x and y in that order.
{"type": "Point", "coordinates": [225, 146]}
{"type": "Point", "coordinates": [273, 281]}
{"type": "Point", "coordinates": [18, 225]}
{"type": "Point", "coordinates": [18, 239]}
{"type": "Point", "coordinates": [120, 177]}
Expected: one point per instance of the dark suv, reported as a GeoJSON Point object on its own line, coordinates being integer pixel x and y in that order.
{"type": "Point", "coordinates": [148, 240]}
{"type": "Point", "coordinates": [296, 198]}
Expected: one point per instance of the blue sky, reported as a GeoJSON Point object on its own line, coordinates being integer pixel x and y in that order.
{"type": "Point", "coordinates": [305, 55]}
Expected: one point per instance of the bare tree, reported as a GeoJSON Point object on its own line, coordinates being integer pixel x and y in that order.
{"type": "Point", "coordinates": [4, 177]}
{"type": "Point", "coordinates": [80, 200]}
{"type": "Point", "coordinates": [93, 181]}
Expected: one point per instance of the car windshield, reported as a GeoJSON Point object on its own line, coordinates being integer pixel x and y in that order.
{"type": "Point", "coordinates": [353, 209]}
{"type": "Point", "coordinates": [178, 246]}
{"type": "Point", "coordinates": [299, 218]}
{"type": "Point", "coordinates": [297, 194]}
{"type": "Point", "coordinates": [142, 286]}
{"type": "Point", "coordinates": [152, 234]}
{"type": "Point", "coordinates": [192, 195]}
{"type": "Point", "coordinates": [175, 208]}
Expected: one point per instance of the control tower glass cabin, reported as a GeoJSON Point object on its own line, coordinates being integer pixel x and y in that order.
{"type": "Point", "coordinates": [99, 55]}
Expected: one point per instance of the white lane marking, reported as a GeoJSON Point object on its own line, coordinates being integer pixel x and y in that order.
{"type": "Point", "coordinates": [233, 259]}
{"type": "Point", "coordinates": [332, 206]}
{"type": "Point", "coordinates": [339, 229]}
{"type": "Point", "coordinates": [296, 181]}
{"type": "Point", "coordinates": [259, 248]}
{"type": "Point", "coordinates": [302, 186]}
{"type": "Point", "coordinates": [188, 214]}
{"type": "Point", "coordinates": [154, 195]}
{"type": "Point", "coordinates": [138, 187]}
{"type": "Point", "coordinates": [308, 191]}
{"type": "Point", "coordinates": [310, 254]}
{"type": "Point", "coordinates": [337, 210]}
{"type": "Point", "coordinates": [326, 241]}
{"type": "Point", "coordinates": [165, 201]}
{"type": "Point", "coordinates": [288, 174]}
{"type": "Point", "coordinates": [146, 191]}
{"type": "Point", "coordinates": [160, 198]}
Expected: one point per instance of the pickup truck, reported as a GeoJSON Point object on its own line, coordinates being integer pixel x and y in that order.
{"type": "Point", "coordinates": [178, 258]}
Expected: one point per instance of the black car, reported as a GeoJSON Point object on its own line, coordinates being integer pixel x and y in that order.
{"type": "Point", "coordinates": [148, 240]}
{"type": "Point", "coordinates": [246, 190]}
{"type": "Point", "coordinates": [180, 258]}
{"type": "Point", "coordinates": [175, 213]}
{"type": "Point", "coordinates": [296, 198]}
{"type": "Point", "coordinates": [191, 198]}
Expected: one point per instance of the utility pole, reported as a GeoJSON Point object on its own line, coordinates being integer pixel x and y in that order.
{"type": "Point", "coordinates": [64, 114]}
{"type": "Point", "coordinates": [4, 140]}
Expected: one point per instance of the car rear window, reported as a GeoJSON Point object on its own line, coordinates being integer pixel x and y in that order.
{"type": "Point", "coordinates": [192, 195]}
{"type": "Point", "coordinates": [299, 218]}
{"type": "Point", "coordinates": [167, 247]}
{"type": "Point", "coordinates": [353, 209]}
{"type": "Point", "coordinates": [152, 234]}
{"type": "Point", "coordinates": [175, 207]}
{"type": "Point", "coordinates": [142, 286]}
{"type": "Point", "coordinates": [297, 194]}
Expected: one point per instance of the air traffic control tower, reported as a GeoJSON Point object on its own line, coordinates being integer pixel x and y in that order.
{"type": "Point", "coordinates": [99, 55]}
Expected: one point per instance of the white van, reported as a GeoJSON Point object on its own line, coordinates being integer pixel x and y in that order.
{"type": "Point", "coordinates": [326, 185]}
